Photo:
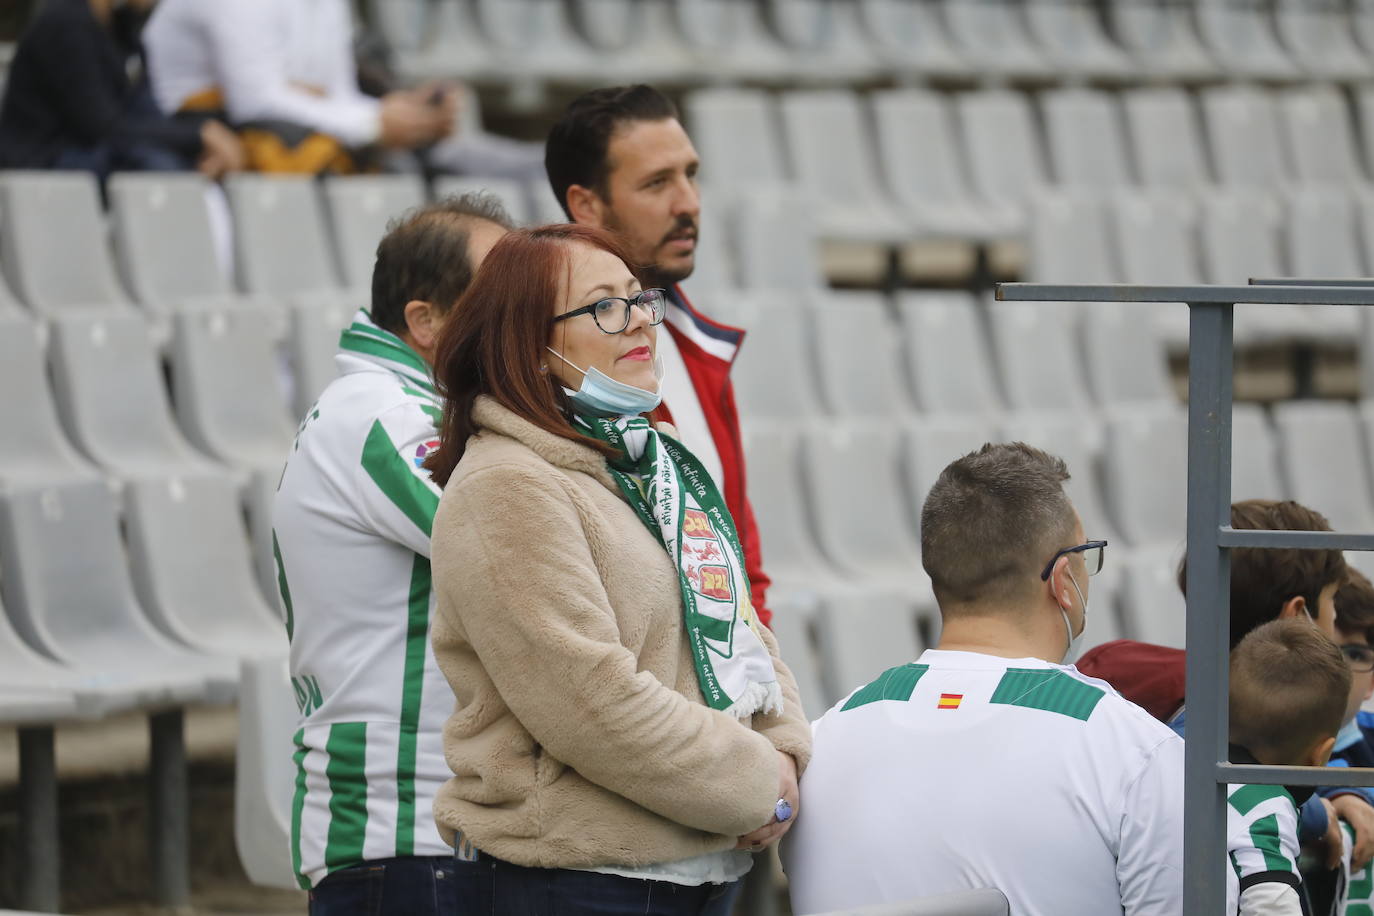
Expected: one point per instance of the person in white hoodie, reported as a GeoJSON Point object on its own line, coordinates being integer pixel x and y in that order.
{"type": "Point", "coordinates": [351, 530]}
{"type": "Point", "coordinates": [987, 762]}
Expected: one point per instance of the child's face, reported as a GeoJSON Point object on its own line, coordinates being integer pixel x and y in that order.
{"type": "Point", "coordinates": [1361, 682]}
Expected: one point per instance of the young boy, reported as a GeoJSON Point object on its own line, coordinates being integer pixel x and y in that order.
{"type": "Point", "coordinates": [1289, 685]}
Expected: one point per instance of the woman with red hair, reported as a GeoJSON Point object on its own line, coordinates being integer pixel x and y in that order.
{"type": "Point", "coordinates": [624, 731]}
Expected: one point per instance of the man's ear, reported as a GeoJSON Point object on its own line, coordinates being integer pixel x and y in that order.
{"type": "Point", "coordinates": [1320, 753]}
{"type": "Point", "coordinates": [1059, 588]}
{"type": "Point", "coordinates": [422, 324]}
{"type": "Point", "coordinates": [1294, 607]}
{"type": "Point", "coordinates": [586, 206]}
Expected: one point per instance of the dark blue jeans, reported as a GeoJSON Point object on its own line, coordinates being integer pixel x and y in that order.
{"type": "Point", "coordinates": [491, 887]}
{"type": "Point", "coordinates": [415, 886]}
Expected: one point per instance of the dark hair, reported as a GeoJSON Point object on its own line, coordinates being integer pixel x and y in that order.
{"type": "Point", "coordinates": [991, 521]}
{"type": "Point", "coordinates": [1263, 580]}
{"type": "Point", "coordinates": [494, 343]}
{"type": "Point", "coordinates": [424, 256]}
{"type": "Point", "coordinates": [575, 152]}
{"type": "Point", "coordinates": [1289, 685]}
{"type": "Point", "coordinates": [1355, 604]}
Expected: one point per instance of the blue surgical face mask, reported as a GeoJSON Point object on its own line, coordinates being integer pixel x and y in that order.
{"type": "Point", "coordinates": [1349, 734]}
{"type": "Point", "coordinates": [602, 396]}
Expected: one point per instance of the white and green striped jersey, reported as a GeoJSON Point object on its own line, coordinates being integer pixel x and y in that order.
{"type": "Point", "coordinates": [1262, 878]}
{"type": "Point", "coordinates": [1355, 895]}
{"type": "Point", "coordinates": [351, 526]}
{"type": "Point", "coordinates": [966, 770]}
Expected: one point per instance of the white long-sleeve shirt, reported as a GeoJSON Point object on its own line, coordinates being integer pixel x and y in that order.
{"type": "Point", "coordinates": [283, 60]}
{"type": "Point", "coordinates": [964, 770]}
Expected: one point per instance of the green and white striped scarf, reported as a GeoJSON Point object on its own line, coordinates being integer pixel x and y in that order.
{"type": "Point", "coordinates": [676, 500]}
{"type": "Point", "coordinates": [365, 338]}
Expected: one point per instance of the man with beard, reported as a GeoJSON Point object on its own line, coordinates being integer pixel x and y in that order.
{"type": "Point", "coordinates": [619, 159]}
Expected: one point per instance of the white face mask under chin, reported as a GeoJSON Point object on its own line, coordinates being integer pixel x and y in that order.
{"type": "Point", "coordinates": [1075, 642]}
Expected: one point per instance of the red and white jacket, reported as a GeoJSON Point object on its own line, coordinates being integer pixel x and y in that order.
{"type": "Point", "coordinates": [708, 349]}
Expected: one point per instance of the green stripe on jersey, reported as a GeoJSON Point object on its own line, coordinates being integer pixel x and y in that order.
{"type": "Point", "coordinates": [298, 808]}
{"type": "Point", "coordinates": [347, 775]}
{"type": "Point", "coordinates": [1047, 689]}
{"type": "Point", "coordinates": [394, 476]}
{"type": "Point", "coordinates": [1264, 835]}
{"type": "Point", "coordinates": [893, 684]}
{"type": "Point", "coordinates": [283, 587]}
{"type": "Point", "coordinates": [402, 356]}
{"type": "Point", "coordinates": [1246, 798]}
{"type": "Point", "coordinates": [417, 637]}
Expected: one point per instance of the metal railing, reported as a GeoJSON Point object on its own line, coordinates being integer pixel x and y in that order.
{"type": "Point", "coordinates": [1210, 540]}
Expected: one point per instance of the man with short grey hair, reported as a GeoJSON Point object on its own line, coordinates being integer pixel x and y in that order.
{"type": "Point", "coordinates": [988, 762]}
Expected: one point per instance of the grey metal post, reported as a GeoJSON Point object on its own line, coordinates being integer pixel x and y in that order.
{"type": "Point", "coordinates": [40, 851]}
{"type": "Point", "coordinates": [1208, 602]}
{"type": "Point", "coordinates": [168, 833]}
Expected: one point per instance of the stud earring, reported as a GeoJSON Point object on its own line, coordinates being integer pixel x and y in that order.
{"type": "Point", "coordinates": [543, 370]}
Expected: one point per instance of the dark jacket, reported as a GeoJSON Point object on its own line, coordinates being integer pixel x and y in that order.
{"type": "Point", "coordinates": [69, 88]}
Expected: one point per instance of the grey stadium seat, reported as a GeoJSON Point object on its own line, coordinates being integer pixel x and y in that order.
{"type": "Point", "coordinates": [1156, 241]}
{"type": "Point", "coordinates": [923, 162]}
{"type": "Point", "coordinates": [1069, 242]}
{"type": "Point", "coordinates": [165, 241]}
{"type": "Point", "coordinates": [1070, 33]}
{"type": "Point", "coordinates": [1319, 38]}
{"type": "Point", "coordinates": [864, 527]}
{"type": "Point", "coordinates": [112, 399]}
{"type": "Point", "coordinates": [738, 130]}
{"type": "Point", "coordinates": [1255, 470]}
{"type": "Point", "coordinates": [53, 244]}
{"type": "Point", "coordinates": [1145, 472]}
{"type": "Point", "coordinates": [948, 363]}
{"type": "Point", "coordinates": [1003, 148]}
{"type": "Point", "coordinates": [791, 625]}
{"type": "Point", "coordinates": [858, 356]}
{"type": "Point", "coordinates": [1152, 607]}
{"type": "Point", "coordinates": [1243, 137]}
{"type": "Point", "coordinates": [1240, 240]}
{"type": "Point", "coordinates": [34, 447]}
{"type": "Point", "coordinates": [1037, 356]}
{"type": "Point", "coordinates": [774, 374]}
{"type": "Point", "coordinates": [1086, 141]}
{"type": "Point", "coordinates": [1315, 124]}
{"type": "Point", "coordinates": [981, 902]}
{"type": "Point", "coordinates": [909, 37]}
{"type": "Point", "coordinates": [858, 643]}
{"type": "Point", "coordinates": [1321, 235]}
{"type": "Point", "coordinates": [1242, 38]}
{"type": "Point", "coordinates": [360, 206]}
{"type": "Point", "coordinates": [511, 193]}
{"type": "Point", "coordinates": [1165, 136]}
{"type": "Point", "coordinates": [833, 159]}
{"type": "Point", "coordinates": [776, 241]}
{"type": "Point", "coordinates": [314, 341]}
{"type": "Point", "coordinates": [1322, 453]}
{"type": "Point", "coordinates": [280, 235]}
{"type": "Point", "coordinates": [1124, 353]}
{"type": "Point", "coordinates": [1159, 36]}
{"type": "Point", "coordinates": [264, 776]}
{"type": "Point", "coordinates": [224, 377]}
{"type": "Point", "coordinates": [92, 621]}
{"type": "Point", "coordinates": [992, 37]}
{"type": "Point", "coordinates": [192, 570]}
{"type": "Point", "coordinates": [229, 403]}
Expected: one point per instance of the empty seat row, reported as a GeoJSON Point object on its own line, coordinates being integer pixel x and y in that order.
{"type": "Point", "coordinates": [605, 41]}
{"type": "Point", "coordinates": [912, 163]}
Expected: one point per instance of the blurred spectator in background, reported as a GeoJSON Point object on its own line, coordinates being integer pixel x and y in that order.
{"type": "Point", "coordinates": [77, 98]}
{"type": "Point", "coordinates": [283, 73]}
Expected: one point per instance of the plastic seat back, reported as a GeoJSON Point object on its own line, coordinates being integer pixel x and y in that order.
{"type": "Point", "coordinates": [280, 235]}
{"type": "Point", "coordinates": [165, 240]}
{"type": "Point", "coordinates": [360, 207]}
{"type": "Point", "coordinates": [53, 243]}
{"type": "Point", "coordinates": [948, 362]}
{"type": "Point", "coordinates": [228, 396]}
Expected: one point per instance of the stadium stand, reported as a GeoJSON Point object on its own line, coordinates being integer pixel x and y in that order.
{"type": "Point", "coordinates": [150, 381]}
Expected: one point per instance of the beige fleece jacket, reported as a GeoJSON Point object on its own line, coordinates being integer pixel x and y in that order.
{"type": "Point", "coordinates": [580, 736]}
